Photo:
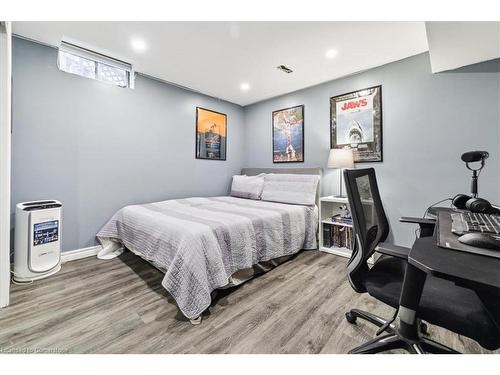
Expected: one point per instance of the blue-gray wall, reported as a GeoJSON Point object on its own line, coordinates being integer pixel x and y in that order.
{"type": "Point", "coordinates": [428, 122]}
{"type": "Point", "coordinates": [97, 147]}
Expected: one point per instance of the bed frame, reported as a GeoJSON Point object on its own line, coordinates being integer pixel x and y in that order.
{"type": "Point", "coordinates": [315, 171]}
{"type": "Point", "coordinates": [114, 249]}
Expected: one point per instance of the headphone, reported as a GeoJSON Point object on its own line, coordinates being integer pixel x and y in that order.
{"type": "Point", "coordinates": [466, 202]}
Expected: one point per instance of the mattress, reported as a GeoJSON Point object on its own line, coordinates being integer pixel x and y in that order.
{"type": "Point", "coordinates": [199, 243]}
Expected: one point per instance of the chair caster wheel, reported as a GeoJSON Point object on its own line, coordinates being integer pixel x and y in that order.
{"type": "Point", "coordinates": [424, 329]}
{"type": "Point", "coordinates": [350, 317]}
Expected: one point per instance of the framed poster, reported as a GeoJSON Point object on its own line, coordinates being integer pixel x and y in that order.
{"type": "Point", "coordinates": [356, 122]}
{"type": "Point", "coordinates": [211, 134]}
{"type": "Point", "coordinates": [288, 135]}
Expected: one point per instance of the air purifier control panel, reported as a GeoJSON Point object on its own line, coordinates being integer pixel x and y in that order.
{"type": "Point", "coordinates": [45, 232]}
{"type": "Point", "coordinates": [44, 239]}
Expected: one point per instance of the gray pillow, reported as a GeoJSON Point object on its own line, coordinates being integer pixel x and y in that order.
{"type": "Point", "coordinates": [247, 186]}
{"type": "Point", "coordinates": [290, 188]}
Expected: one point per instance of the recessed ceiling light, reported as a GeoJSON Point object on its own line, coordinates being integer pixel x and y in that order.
{"type": "Point", "coordinates": [138, 45]}
{"type": "Point", "coordinates": [245, 86]}
{"type": "Point", "coordinates": [331, 53]}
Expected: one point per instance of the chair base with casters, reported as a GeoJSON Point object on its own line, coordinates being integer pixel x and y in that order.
{"type": "Point", "coordinates": [393, 341]}
{"type": "Point", "coordinates": [390, 338]}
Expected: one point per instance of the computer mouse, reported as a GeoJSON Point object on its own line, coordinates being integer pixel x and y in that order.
{"type": "Point", "coordinates": [483, 240]}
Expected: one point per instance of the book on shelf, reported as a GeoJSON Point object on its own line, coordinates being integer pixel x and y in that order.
{"type": "Point", "coordinates": [337, 236]}
{"type": "Point", "coordinates": [327, 235]}
{"type": "Point", "coordinates": [342, 220]}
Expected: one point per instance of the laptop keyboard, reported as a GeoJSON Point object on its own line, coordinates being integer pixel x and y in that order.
{"type": "Point", "coordinates": [465, 222]}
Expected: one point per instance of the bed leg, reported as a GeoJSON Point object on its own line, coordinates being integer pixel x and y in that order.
{"type": "Point", "coordinates": [195, 321]}
{"type": "Point", "coordinates": [110, 251]}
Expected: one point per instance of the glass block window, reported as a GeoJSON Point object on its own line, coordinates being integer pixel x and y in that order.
{"type": "Point", "coordinates": [83, 62]}
{"type": "Point", "coordinates": [77, 65]}
{"type": "Point", "coordinates": [113, 75]}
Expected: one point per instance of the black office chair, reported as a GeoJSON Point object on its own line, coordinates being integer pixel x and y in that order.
{"type": "Point", "coordinates": [441, 302]}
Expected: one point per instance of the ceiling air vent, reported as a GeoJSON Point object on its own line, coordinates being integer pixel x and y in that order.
{"type": "Point", "coordinates": [284, 69]}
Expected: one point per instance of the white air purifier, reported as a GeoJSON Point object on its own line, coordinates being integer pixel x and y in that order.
{"type": "Point", "coordinates": [37, 244]}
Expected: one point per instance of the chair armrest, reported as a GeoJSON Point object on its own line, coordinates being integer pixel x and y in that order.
{"type": "Point", "coordinates": [417, 220]}
{"type": "Point", "coordinates": [426, 225]}
{"type": "Point", "coordinates": [393, 250]}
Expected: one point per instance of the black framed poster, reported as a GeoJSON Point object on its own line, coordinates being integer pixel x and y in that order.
{"type": "Point", "coordinates": [211, 134]}
{"type": "Point", "coordinates": [288, 135]}
{"type": "Point", "coordinates": [356, 123]}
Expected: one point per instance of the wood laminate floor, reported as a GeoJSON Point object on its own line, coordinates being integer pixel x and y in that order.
{"type": "Point", "coordinates": [119, 306]}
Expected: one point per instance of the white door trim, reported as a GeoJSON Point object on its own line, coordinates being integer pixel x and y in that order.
{"type": "Point", "coordinates": [5, 129]}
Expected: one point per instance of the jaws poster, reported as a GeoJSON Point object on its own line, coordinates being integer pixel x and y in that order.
{"type": "Point", "coordinates": [356, 123]}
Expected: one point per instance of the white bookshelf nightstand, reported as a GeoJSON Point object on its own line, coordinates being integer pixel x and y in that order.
{"type": "Point", "coordinates": [329, 206]}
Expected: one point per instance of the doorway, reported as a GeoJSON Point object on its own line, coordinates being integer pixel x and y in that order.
{"type": "Point", "coordinates": [5, 136]}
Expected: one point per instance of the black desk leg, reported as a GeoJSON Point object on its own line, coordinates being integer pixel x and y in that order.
{"type": "Point", "coordinates": [411, 292]}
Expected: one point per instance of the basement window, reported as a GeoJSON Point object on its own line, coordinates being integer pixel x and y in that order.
{"type": "Point", "coordinates": [89, 64]}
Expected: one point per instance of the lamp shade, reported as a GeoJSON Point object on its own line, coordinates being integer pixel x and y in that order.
{"type": "Point", "coordinates": [341, 158]}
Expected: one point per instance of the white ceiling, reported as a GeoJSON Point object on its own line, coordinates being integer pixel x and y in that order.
{"type": "Point", "coordinates": [215, 58]}
{"type": "Point", "coordinates": [455, 44]}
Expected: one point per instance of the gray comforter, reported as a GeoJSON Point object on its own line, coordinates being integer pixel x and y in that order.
{"type": "Point", "coordinates": [200, 242]}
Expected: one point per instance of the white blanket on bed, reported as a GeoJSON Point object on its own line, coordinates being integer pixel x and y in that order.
{"type": "Point", "coordinates": [200, 242]}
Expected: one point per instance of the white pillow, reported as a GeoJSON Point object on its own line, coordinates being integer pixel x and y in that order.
{"type": "Point", "coordinates": [290, 188]}
{"type": "Point", "coordinates": [247, 186]}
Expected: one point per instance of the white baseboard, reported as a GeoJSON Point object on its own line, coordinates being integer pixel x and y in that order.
{"type": "Point", "coordinates": [86, 252]}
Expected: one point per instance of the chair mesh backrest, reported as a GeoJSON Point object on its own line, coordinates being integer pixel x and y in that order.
{"type": "Point", "coordinates": [369, 221]}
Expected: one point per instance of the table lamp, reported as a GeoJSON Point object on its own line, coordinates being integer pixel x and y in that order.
{"type": "Point", "coordinates": [341, 158]}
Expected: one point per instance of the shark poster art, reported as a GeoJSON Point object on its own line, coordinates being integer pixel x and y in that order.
{"type": "Point", "coordinates": [356, 122]}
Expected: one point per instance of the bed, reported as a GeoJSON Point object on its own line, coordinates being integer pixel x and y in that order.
{"type": "Point", "coordinates": [206, 243]}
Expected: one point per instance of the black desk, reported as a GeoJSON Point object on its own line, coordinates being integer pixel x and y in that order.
{"type": "Point", "coordinates": [466, 269]}
{"type": "Point", "coordinates": [477, 272]}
